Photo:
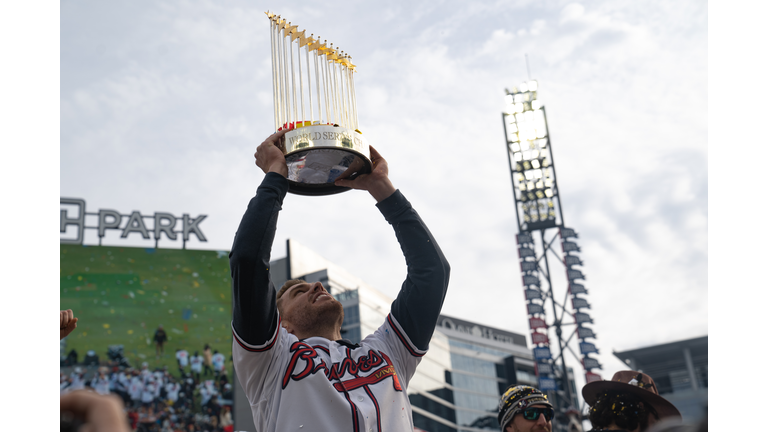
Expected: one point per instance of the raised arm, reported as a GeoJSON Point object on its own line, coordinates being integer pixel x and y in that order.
{"type": "Point", "coordinates": [253, 295]}
{"type": "Point", "coordinates": [67, 323]}
{"type": "Point", "coordinates": [420, 300]}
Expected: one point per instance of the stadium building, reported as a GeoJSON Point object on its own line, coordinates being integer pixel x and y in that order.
{"type": "Point", "coordinates": [458, 383]}
{"type": "Point", "coordinates": [679, 370]}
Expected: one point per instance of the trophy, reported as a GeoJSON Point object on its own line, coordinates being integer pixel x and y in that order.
{"type": "Point", "coordinates": [314, 98]}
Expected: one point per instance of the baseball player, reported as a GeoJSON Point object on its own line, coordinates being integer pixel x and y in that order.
{"type": "Point", "coordinates": [182, 357]}
{"type": "Point", "coordinates": [218, 360]}
{"type": "Point", "coordinates": [297, 372]}
{"type": "Point", "coordinates": [196, 365]}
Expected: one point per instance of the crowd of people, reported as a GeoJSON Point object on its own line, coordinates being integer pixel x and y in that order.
{"type": "Point", "coordinates": [157, 400]}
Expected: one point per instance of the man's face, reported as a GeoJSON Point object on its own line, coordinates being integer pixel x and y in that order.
{"type": "Point", "coordinates": [308, 306]}
{"type": "Point", "coordinates": [520, 424]}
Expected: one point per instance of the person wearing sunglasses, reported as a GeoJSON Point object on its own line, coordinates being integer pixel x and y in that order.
{"type": "Point", "coordinates": [525, 409]}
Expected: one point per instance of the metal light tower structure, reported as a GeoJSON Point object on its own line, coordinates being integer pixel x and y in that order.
{"type": "Point", "coordinates": [539, 210]}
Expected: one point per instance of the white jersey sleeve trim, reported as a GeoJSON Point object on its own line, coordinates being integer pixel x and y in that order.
{"type": "Point", "coordinates": [257, 348]}
{"type": "Point", "coordinates": [406, 341]}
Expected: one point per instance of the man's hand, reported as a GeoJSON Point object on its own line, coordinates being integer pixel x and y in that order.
{"type": "Point", "coordinates": [376, 183]}
{"type": "Point", "coordinates": [68, 322]}
{"type": "Point", "coordinates": [99, 412]}
{"type": "Point", "coordinates": [269, 154]}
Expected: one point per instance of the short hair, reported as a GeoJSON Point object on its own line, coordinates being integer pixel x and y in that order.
{"type": "Point", "coordinates": [285, 287]}
{"type": "Point", "coordinates": [624, 410]}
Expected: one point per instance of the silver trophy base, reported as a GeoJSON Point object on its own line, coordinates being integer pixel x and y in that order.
{"type": "Point", "coordinates": [318, 155]}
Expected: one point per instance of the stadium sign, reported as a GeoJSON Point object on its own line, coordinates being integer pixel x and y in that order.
{"type": "Point", "coordinates": [476, 330]}
{"type": "Point", "coordinates": [135, 223]}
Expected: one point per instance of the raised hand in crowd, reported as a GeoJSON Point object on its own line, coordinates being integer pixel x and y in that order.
{"type": "Point", "coordinates": [96, 412]}
{"type": "Point", "coordinates": [68, 323]}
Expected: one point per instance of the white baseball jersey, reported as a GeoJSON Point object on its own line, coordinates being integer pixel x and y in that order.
{"type": "Point", "coordinates": [315, 383]}
{"type": "Point", "coordinates": [77, 381]}
{"type": "Point", "coordinates": [183, 358]}
{"type": "Point", "coordinates": [101, 385]}
{"type": "Point", "coordinates": [135, 388]}
{"type": "Point", "coordinates": [361, 389]}
{"type": "Point", "coordinates": [173, 391]}
{"type": "Point", "coordinates": [218, 360]}
{"type": "Point", "coordinates": [148, 395]}
{"type": "Point", "coordinates": [205, 395]}
{"type": "Point", "coordinates": [196, 363]}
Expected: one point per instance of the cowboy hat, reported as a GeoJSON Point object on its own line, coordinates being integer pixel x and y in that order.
{"type": "Point", "coordinates": [635, 383]}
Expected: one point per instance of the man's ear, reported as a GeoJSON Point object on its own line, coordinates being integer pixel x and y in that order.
{"type": "Point", "coordinates": [287, 326]}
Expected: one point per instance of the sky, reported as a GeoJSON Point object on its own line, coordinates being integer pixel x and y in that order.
{"type": "Point", "coordinates": [163, 103]}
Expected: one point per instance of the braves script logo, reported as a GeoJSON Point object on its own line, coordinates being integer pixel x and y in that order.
{"type": "Point", "coordinates": [376, 365]}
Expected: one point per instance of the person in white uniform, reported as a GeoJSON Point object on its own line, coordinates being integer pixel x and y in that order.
{"type": "Point", "coordinates": [296, 370]}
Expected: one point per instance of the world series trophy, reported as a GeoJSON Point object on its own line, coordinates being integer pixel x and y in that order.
{"type": "Point", "coordinates": [326, 145]}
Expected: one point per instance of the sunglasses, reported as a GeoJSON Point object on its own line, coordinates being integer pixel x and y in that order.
{"type": "Point", "coordinates": [534, 413]}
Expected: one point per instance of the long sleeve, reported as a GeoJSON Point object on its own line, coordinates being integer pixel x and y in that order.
{"type": "Point", "coordinates": [420, 300]}
{"type": "Point", "coordinates": [254, 313]}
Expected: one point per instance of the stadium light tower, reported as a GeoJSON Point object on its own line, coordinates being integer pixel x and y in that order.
{"type": "Point", "coordinates": [538, 208]}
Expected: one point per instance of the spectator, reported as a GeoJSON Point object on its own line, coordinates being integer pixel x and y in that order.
{"type": "Point", "coordinates": [148, 394]}
{"type": "Point", "coordinates": [207, 361]}
{"type": "Point", "coordinates": [218, 363]}
{"type": "Point", "coordinates": [71, 358]}
{"type": "Point", "coordinates": [100, 383]}
{"type": "Point", "coordinates": [77, 379]}
{"type": "Point", "coordinates": [182, 357]}
{"type": "Point", "coordinates": [91, 359]}
{"type": "Point", "coordinates": [135, 389]}
{"type": "Point", "coordinates": [67, 323]}
{"type": "Point", "coordinates": [525, 409]}
{"type": "Point", "coordinates": [196, 365]}
{"type": "Point", "coordinates": [225, 419]}
{"type": "Point", "coordinates": [629, 402]}
{"type": "Point", "coordinates": [223, 379]}
{"type": "Point", "coordinates": [64, 383]}
{"type": "Point", "coordinates": [172, 390]}
{"type": "Point", "coordinates": [160, 338]}
{"type": "Point", "coordinates": [145, 373]}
